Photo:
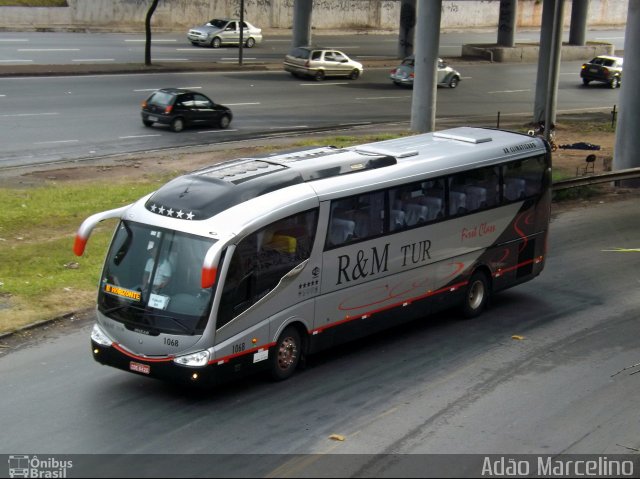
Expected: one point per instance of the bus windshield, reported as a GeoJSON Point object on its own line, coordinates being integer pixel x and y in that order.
{"type": "Point", "coordinates": [152, 280]}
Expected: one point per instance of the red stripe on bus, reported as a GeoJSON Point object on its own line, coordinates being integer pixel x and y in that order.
{"type": "Point", "coordinates": [519, 265]}
{"type": "Point", "coordinates": [226, 359]}
{"type": "Point", "coordinates": [402, 303]}
{"type": "Point", "coordinates": [142, 358]}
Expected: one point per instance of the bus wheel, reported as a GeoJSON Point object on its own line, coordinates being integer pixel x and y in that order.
{"type": "Point", "coordinates": [476, 295]}
{"type": "Point", "coordinates": [287, 354]}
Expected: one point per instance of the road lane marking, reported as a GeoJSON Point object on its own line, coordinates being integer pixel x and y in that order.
{"type": "Point", "coordinates": [287, 127]}
{"type": "Point", "coordinates": [508, 91]}
{"type": "Point", "coordinates": [383, 97]}
{"type": "Point", "coordinates": [171, 59]}
{"type": "Point", "coordinates": [323, 84]}
{"type": "Point", "coordinates": [94, 60]}
{"type": "Point", "coordinates": [13, 40]}
{"type": "Point", "coordinates": [242, 104]}
{"type": "Point", "coordinates": [214, 131]}
{"type": "Point", "coordinates": [136, 136]}
{"type": "Point", "coordinates": [48, 49]}
{"type": "Point", "coordinates": [159, 40]}
{"type": "Point", "coordinates": [11, 115]}
{"type": "Point", "coordinates": [15, 61]}
{"type": "Point", "coordinates": [55, 142]}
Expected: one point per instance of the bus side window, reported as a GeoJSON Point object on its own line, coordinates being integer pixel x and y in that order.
{"type": "Point", "coordinates": [262, 259]}
{"type": "Point", "coordinates": [355, 218]}
{"type": "Point", "coordinates": [523, 178]}
{"type": "Point", "coordinates": [474, 190]}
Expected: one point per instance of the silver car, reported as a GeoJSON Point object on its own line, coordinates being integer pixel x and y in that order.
{"type": "Point", "coordinates": [403, 74]}
{"type": "Point", "coordinates": [225, 31]}
{"type": "Point", "coordinates": [319, 63]}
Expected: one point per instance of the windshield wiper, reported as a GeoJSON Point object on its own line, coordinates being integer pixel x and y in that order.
{"type": "Point", "coordinates": [174, 320]}
{"type": "Point", "coordinates": [146, 312]}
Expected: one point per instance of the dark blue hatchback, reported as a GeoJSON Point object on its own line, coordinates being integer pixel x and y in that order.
{"type": "Point", "coordinates": [180, 108]}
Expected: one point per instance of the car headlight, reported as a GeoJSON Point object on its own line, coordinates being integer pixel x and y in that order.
{"type": "Point", "coordinates": [99, 337]}
{"type": "Point", "coordinates": [201, 358]}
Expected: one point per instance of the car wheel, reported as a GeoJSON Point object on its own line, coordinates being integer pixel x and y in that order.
{"type": "Point", "coordinates": [586, 82]}
{"type": "Point", "coordinates": [454, 82]}
{"type": "Point", "coordinates": [195, 44]}
{"type": "Point", "coordinates": [250, 43]}
{"type": "Point", "coordinates": [147, 123]}
{"type": "Point", "coordinates": [355, 74]}
{"type": "Point", "coordinates": [476, 295]}
{"type": "Point", "coordinates": [614, 83]}
{"type": "Point", "coordinates": [319, 76]}
{"type": "Point", "coordinates": [286, 356]}
{"type": "Point", "coordinates": [216, 42]}
{"type": "Point", "coordinates": [177, 124]}
{"type": "Point", "coordinates": [224, 122]}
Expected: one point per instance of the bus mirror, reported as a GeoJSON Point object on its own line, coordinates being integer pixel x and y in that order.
{"type": "Point", "coordinates": [210, 267]}
{"type": "Point", "coordinates": [83, 233]}
{"type": "Point", "coordinates": [208, 277]}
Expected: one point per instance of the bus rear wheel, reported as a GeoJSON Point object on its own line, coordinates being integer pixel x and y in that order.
{"type": "Point", "coordinates": [287, 354]}
{"type": "Point", "coordinates": [476, 295]}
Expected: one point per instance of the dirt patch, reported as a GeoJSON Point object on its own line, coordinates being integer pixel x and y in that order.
{"type": "Point", "coordinates": [568, 162]}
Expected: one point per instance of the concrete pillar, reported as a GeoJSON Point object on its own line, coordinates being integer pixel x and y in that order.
{"type": "Point", "coordinates": [627, 138]}
{"type": "Point", "coordinates": [407, 28]}
{"type": "Point", "coordinates": [507, 23]}
{"type": "Point", "coordinates": [578, 28]}
{"type": "Point", "coordinates": [423, 102]}
{"type": "Point", "coordinates": [542, 77]}
{"type": "Point", "coordinates": [554, 67]}
{"type": "Point", "coordinates": [301, 30]}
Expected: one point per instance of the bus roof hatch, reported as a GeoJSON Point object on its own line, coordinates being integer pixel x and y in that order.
{"type": "Point", "coordinates": [465, 134]}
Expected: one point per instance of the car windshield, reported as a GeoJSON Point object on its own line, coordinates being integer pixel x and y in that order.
{"type": "Point", "coordinates": [152, 280]}
{"type": "Point", "coordinates": [409, 61]}
{"type": "Point", "coordinates": [160, 98]}
{"type": "Point", "coordinates": [605, 62]}
{"type": "Point", "coordinates": [217, 23]}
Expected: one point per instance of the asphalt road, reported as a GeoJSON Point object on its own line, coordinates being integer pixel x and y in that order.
{"type": "Point", "coordinates": [72, 48]}
{"type": "Point", "coordinates": [51, 119]}
{"type": "Point", "coordinates": [440, 385]}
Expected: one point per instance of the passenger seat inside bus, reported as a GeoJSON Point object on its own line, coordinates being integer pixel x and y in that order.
{"type": "Point", "coordinates": [514, 189]}
{"type": "Point", "coordinates": [415, 213]}
{"type": "Point", "coordinates": [397, 220]}
{"type": "Point", "coordinates": [457, 202]}
{"type": "Point", "coordinates": [434, 207]}
{"type": "Point", "coordinates": [341, 231]}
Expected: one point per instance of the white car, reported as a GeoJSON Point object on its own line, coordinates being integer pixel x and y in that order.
{"type": "Point", "coordinates": [319, 63]}
{"type": "Point", "coordinates": [225, 31]}
{"type": "Point", "coordinates": [404, 73]}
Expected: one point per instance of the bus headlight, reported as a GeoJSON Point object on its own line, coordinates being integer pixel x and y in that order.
{"type": "Point", "coordinates": [201, 358]}
{"type": "Point", "coordinates": [99, 337]}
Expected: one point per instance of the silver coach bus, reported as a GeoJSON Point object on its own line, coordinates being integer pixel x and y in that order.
{"type": "Point", "coordinates": [253, 263]}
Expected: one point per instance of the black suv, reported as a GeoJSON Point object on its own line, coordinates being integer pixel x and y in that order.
{"type": "Point", "coordinates": [604, 69]}
{"type": "Point", "coordinates": [179, 108]}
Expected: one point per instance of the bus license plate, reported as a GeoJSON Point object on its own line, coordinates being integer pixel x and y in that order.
{"type": "Point", "coordinates": [140, 368]}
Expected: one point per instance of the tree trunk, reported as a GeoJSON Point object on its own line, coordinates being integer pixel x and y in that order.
{"type": "Point", "coordinates": [147, 29]}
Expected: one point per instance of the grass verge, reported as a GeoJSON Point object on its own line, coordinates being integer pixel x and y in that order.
{"type": "Point", "coordinates": [40, 277]}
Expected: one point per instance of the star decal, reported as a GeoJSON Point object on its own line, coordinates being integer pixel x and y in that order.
{"type": "Point", "coordinates": [179, 214]}
{"type": "Point", "coordinates": [153, 207]}
{"type": "Point", "coordinates": [170, 212]}
{"type": "Point", "coordinates": [190, 215]}
{"type": "Point", "coordinates": [161, 210]}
